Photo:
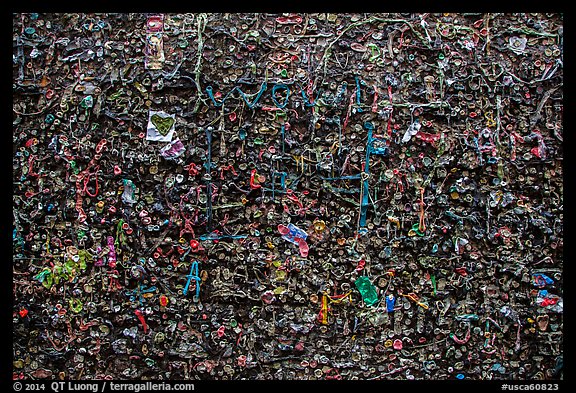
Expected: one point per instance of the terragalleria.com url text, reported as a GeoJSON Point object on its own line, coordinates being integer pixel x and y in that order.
{"type": "Point", "coordinates": [120, 387]}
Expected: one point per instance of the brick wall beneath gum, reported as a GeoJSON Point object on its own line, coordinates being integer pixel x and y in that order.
{"type": "Point", "coordinates": [288, 196]}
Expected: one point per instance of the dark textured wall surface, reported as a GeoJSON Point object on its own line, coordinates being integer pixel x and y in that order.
{"type": "Point", "coordinates": [288, 196]}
